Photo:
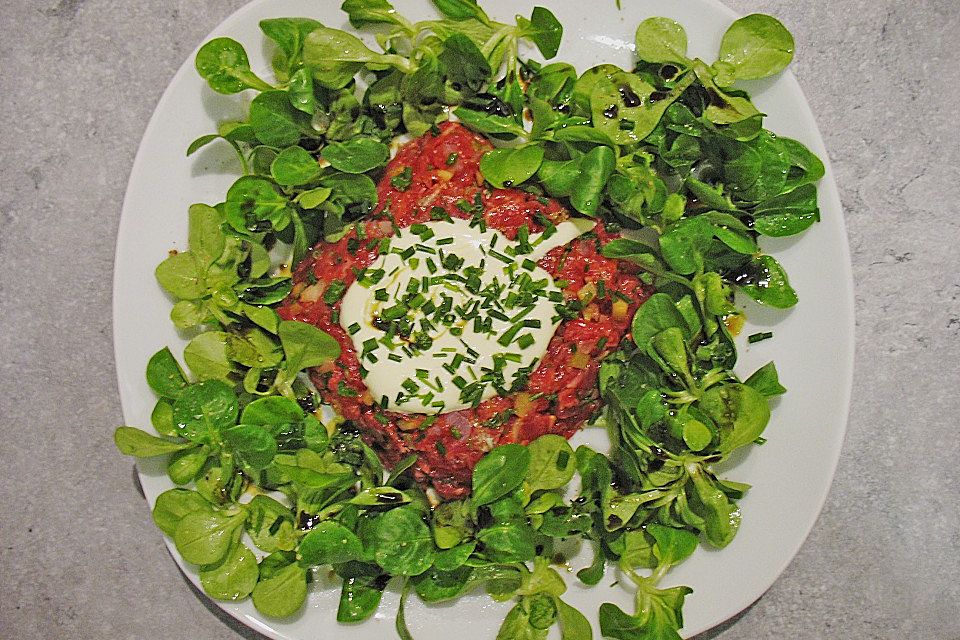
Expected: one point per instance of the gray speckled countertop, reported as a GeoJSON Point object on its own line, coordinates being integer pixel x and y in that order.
{"type": "Point", "coordinates": [79, 557]}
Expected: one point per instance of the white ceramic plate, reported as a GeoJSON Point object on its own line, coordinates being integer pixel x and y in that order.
{"type": "Point", "coordinates": [813, 344]}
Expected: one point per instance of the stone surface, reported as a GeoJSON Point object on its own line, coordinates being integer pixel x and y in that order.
{"type": "Point", "coordinates": [79, 558]}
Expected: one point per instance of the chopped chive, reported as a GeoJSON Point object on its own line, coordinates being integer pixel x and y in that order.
{"type": "Point", "coordinates": [757, 337]}
{"type": "Point", "coordinates": [525, 340]}
{"type": "Point", "coordinates": [509, 335]}
{"type": "Point", "coordinates": [402, 181]}
{"type": "Point", "coordinates": [353, 328]}
{"type": "Point", "coordinates": [394, 312]}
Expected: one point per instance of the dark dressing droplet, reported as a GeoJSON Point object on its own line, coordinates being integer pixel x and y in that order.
{"type": "Point", "coordinates": [668, 71]}
{"type": "Point", "coordinates": [307, 521]}
{"type": "Point", "coordinates": [716, 99]}
{"type": "Point", "coordinates": [384, 497]}
{"type": "Point", "coordinates": [630, 99]}
{"type": "Point", "coordinates": [495, 106]}
{"type": "Point", "coordinates": [751, 273]}
{"type": "Point", "coordinates": [611, 111]}
{"type": "Point", "coordinates": [658, 95]}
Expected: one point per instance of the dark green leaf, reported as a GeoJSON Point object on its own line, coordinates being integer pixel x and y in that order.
{"type": "Point", "coordinates": [488, 123]}
{"type": "Point", "coordinates": [656, 314]}
{"type": "Point", "coordinates": [509, 167]}
{"type": "Point", "coordinates": [766, 282]}
{"type": "Point", "coordinates": [499, 472]}
{"type": "Point", "coordinates": [283, 593]}
{"type": "Point", "coordinates": [251, 444]}
{"type": "Point", "coordinates": [683, 246]}
{"type": "Point", "coordinates": [789, 213]}
{"type": "Point", "coordinates": [673, 545]}
{"type": "Point", "coordinates": [172, 505]}
{"type": "Point", "coordinates": [363, 587]}
{"type": "Point", "coordinates": [233, 578]}
{"type": "Point", "coordinates": [401, 542]}
{"type": "Point", "coordinates": [275, 121]}
{"type": "Point", "coordinates": [552, 463]}
{"type": "Point", "coordinates": [463, 62]}
{"type": "Point", "coordinates": [766, 381]}
{"type": "Point", "coordinates": [164, 374]}
{"type": "Point", "coordinates": [205, 537]}
{"type": "Point", "coordinates": [223, 63]}
{"type": "Point", "coordinates": [595, 169]}
{"type": "Point", "coordinates": [330, 543]}
{"type": "Point", "coordinates": [461, 10]}
{"type": "Point", "coordinates": [185, 465]}
{"type": "Point", "coordinates": [254, 205]}
{"type": "Point", "coordinates": [207, 356]}
{"type": "Point", "coordinates": [271, 524]}
{"type": "Point", "coordinates": [757, 46]}
{"type": "Point", "coordinates": [573, 624]}
{"type": "Point", "coordinates": [137, 443]}
{"type": "Point", "coordinates": [661, 40]}
{"type": "Point", "coordinates": [740, 411]}
{"type": "Point", "coordinates": [436, 585]}
{"type": "Point", "coordinates": [517, 625]}
{"type": "Point", "coordinates": [294, 166]}
{"type": "Point", "coordinates": [544, 30]}
{"type": "Point", "coordinates": [363, 13]}
{"type": "Point", "coordinates": [306, 346]}
{"type": "Point", "coordinates": [358, 155]}
{"type": "Point", "coordinates": [204, 409]}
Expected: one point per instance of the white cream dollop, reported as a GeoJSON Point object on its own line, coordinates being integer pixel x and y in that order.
{"type": "Point", "coordinates": [451, 313]}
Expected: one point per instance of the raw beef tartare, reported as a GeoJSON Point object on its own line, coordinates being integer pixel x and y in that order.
{"type": "Point", "coordinates": [437, 177]}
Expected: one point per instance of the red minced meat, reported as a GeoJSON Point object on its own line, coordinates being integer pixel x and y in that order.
{"type": "Point", "coordinates": [562, 393]}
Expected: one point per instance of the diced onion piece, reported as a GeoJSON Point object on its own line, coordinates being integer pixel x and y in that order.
{"type": "Point", "coordinates": [580, 360]}
{"type": "Point", "coordinates": [587, 293]}
{"type": "Point", "coordinates": [407, 424]}
{"type": "Point", "coordinates": [522, 404]}
{"type": "Point", "coordinates": [312, 293]}
{"type": "Point", "coordinates": [620, 309]}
